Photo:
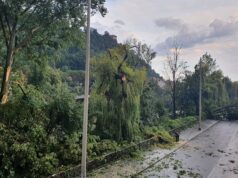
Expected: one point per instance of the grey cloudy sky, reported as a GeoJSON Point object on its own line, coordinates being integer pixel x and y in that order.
{"type": "Point", "coordinates": [200, 26]}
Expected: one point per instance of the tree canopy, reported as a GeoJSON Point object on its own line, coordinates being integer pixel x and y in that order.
{"type": "Point", "coordinates": [34, 22]}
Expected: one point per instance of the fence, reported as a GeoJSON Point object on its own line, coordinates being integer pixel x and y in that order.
{"type": "Point", "coordinates": [97, 163]}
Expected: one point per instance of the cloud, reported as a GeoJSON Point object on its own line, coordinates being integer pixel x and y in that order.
{"type": "Point", "coordinates": [191, 37]}
{"type": "Point", "coordinates": [147, 22]}
{"type": "Point", "coordinates": [120, 22]}
{"type": "Point", "coordinates": [220, 28]}
{"type": "Point", "coordinates": [170, 23]}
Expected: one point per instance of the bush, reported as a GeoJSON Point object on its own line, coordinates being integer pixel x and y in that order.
{"type": "Point", "coordinates": [38, 133]}
{"type": "Point", "coordinates": [159, 133]}
{"type": "Point", "coordinates": [25, 155]}
{"type": "Point", "coordinates": [104, 146]}
{"type": "Point", "coordinates": [161, 130]}
{"type": "Point", "coordinates": [170, 124]}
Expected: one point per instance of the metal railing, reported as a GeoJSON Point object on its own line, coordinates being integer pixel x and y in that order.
{"type": "Point", "coordinates": [111, 157]}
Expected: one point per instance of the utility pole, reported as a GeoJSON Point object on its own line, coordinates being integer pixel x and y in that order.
{"type": "Point", "coordinates": [86, 93]}
{"type": "Point", "coordinates": [200, 94]}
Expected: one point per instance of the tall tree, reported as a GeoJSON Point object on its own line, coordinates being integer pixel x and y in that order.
{"type": "Point", "coordinates": [216, 88]}
{"type": "Point", "coordinates": [117, 95]}
{"type": "Point", "coordinates": [23, 22]}
{"type": "Point", "coordinates": [141, 54]}
{"type": "Point", "coordinates": [187, 100]}
{"type": "Point", "coordinates": [176, 67]}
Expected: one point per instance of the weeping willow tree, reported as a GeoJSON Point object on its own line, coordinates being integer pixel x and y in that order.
{"type": "Point", "coordinates": [115, 100]}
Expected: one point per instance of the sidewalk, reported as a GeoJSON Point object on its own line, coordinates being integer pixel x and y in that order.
{"type": "Point", "coordinates": [130, 166]}
{"type": "Point", "coordinates": [227, 165]}
{"type": "Point", "coordinates": [189, 133]}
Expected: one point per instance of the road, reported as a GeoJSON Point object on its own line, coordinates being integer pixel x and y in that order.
{"type": "Point", "coordinates": [213, 154]}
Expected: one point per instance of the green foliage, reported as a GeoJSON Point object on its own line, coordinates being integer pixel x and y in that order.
{"type": "Point", "coordinates": [151, 107]}
{"type": "Point", "coordinates": [187, 95]}
{"type": "Point", "coordinates": [74, 57]}
{"type": "Point", "coordinates": [101, 43]}
{"type": "Point", "coordinates": [67, 147]}
{"type": "Point", "coordinates": [36, 29]}
{"type": "Point", "coordinates": [22, 129]}
{"type": "Point", "coordinates": [217, 90]}
{"type": "Point", "coordinates": [118, 101]}
{"type": "Point", "coordinates": [164, 125]}
{"type": "Point", "coordinates": [159, 133]}
{"type": "Point", "coordinates": [102, 147]}
{"type": "Point", "coordinates": [141, 56]}
{"type": "Point", "coordinates": [169, 124]}
{"type": "Point", "coordinates": [39, 129]}
{"type": "Point", "coordinates": [40, 126]}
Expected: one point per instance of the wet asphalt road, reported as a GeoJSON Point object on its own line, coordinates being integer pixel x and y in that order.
{"type": "Point", "coordinates": [212, 154]}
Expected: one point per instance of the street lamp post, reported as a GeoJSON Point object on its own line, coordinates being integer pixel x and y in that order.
{"type": "Point", "coordinates": [86, 93]}
{"type": "Point", "coordinates": [200, 94]}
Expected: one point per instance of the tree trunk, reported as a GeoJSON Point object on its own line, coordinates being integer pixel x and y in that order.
{"type": "Point", "coordinates": [5, 82]}
{"type": "Point", "coordinates": [174, 96]}
{"type": "Point", "coordinates": [197, 106]}
{"type": "Point", "coordinates": [7, 71]}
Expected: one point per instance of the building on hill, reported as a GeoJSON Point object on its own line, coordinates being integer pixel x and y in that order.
{"type": "Point", "coordinates": [114, 37]}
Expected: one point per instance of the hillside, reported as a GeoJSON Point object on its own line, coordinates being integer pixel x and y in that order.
{"type": "Point", "coordinates": [74, 57]}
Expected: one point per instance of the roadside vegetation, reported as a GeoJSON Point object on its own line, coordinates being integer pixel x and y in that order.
{"type": "Point", "coordinates": [42, 75]}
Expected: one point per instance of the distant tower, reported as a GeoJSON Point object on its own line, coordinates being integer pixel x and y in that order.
{"type": "Point", "coordinates": [114, 37]}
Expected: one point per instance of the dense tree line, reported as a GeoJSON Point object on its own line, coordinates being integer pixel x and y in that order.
{"type": "Point", "coordinates": [217, 90]}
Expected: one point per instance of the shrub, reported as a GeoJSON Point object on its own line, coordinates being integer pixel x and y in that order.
{"type": "Point", "coordinates": [38, 133]}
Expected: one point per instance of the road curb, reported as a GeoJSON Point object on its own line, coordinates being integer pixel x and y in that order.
{"type": "Point", "coordinates": [173, 151]}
